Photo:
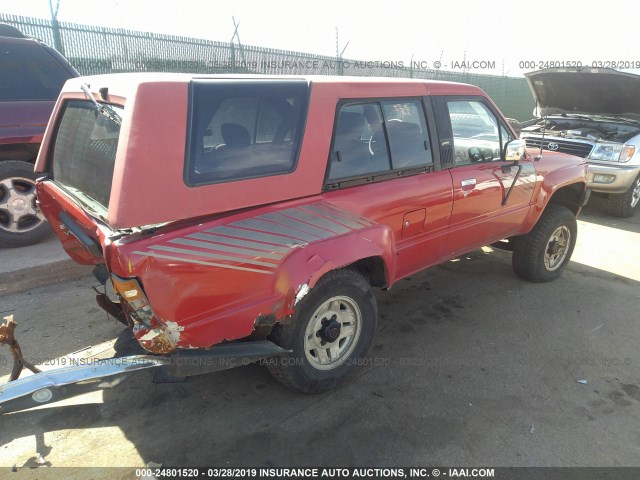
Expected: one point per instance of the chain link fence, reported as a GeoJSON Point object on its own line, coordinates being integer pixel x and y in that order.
{"type": "Point", "coordinates": [98, 50]}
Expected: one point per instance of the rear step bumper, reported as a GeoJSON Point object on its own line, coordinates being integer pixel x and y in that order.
{"type": "Point", "coordinates": [90, 375]}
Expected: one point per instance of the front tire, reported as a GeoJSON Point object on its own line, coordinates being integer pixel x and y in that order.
{"type": "Point", "coordinates": [329, 334]}
{"type": "Point", "coordinates": [543, 253]}
{"type": "Point", "coordinates": [624, 205]}
{"type": "Point", "coordinates": [21, 222]}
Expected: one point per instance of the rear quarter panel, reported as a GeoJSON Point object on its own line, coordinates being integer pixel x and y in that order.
{"type": "Point", "coordinates": [215, 279]}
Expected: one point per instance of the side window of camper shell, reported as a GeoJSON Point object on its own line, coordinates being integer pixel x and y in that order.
{"type": "Point", "coordinates": [244, 129]}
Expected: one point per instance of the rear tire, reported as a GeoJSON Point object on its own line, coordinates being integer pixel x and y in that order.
{"type": "Point", "coordinates": [543, 253]}
{"type": "Point", "coordinates": [329, 334]}
{"type": "Point", "coordinates": [21, 222]}
{"type": "Point", "coordinates": [624, 205]}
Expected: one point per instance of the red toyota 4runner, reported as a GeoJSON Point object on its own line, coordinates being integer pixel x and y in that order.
{"type": "Point", "coordinates": [259, 209]}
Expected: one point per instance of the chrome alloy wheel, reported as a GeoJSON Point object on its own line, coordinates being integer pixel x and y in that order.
{"type": "Point", "coordinates": [332, 333]}
{"type": "Point", "coordinates": [18, 210]}
{"type": "Point", "coordinates": [557, 248]}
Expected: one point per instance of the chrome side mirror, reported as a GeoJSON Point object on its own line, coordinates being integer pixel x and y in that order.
{"type": "Point", "coordinates": [514, 150]}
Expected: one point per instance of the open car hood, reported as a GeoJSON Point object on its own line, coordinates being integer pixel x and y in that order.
{"type": "Point", "coordinates": [601, 91]}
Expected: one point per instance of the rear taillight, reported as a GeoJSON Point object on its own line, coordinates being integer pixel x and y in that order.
{"type": "Point", "coordinates": [154, 335]}
{"type": "Point", "coordinates": [132, 295]}
{"type": "Point", "coordinates": [148, 330]}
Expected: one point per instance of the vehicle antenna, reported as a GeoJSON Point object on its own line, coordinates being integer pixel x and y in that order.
{"type": "Point", "coordinates": [544, 129]}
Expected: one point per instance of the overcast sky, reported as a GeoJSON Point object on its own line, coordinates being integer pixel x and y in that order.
{"type": "Point", "coordinates": [502, 32]}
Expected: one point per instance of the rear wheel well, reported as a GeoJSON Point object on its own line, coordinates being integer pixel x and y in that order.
{"type": "Point", "coordinates": [569, 196]}
{"type": "Point", "coordinates": [26, 152]}
{"type": "Point", "coordinates": [373, 269]}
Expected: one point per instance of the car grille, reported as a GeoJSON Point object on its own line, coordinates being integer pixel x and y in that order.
{"type": "Point", "coordinates": [579, 149]}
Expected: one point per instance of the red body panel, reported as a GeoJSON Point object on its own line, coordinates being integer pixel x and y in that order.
{"type": "Point", "coordinates": [553, 172]}
{"type": "Point", "coordinates": [215, 279]}
{"type": "Point", "coordinates": [54, 202]}
{"type": "Point", "coordinates": [478, 216]}
{"type": "Point", "coordinates": [220, 266]}
{"type": "Point", "coordinates": [388, 203]}
{"type": "Point", "coordinates": [23, 122]}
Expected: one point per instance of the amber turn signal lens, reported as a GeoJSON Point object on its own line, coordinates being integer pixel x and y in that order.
{"type": "Point", "coordinates": [128, 288]}
{"type": "Point", "coordinates": [627, 153]}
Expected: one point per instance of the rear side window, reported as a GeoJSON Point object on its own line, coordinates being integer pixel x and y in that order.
{"type": "Point", "coordinates": [407, 131]}
{"type": "Point", "coordinates": [29, 72]}
{"type": "Point", "coordinates": [375, 137]}
{"type": "Point", "coordinates": [84, 153]}
{"type": "Point", "coordinates": [359, 147]}
{"type": "Point", "coordinates": [244, 130]}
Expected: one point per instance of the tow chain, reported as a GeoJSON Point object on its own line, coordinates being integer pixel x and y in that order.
{"type": "Point", "coordinates": [7, 337]}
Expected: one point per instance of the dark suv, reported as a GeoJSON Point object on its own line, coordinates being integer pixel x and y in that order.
{"type": "Point", "coordinates": [31, 77]}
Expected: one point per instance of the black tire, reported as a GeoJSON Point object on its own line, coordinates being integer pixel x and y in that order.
{"type": "Point", "coordinates": [622, 204]}
{"type": "Point", "coordinates": [530, 250]}
{"type": "Point", "coordinates": [295, 370]}
{"type": "Point", "coordinates": [31, 228]}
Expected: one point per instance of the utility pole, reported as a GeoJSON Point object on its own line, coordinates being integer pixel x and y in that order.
{"type": "Point", "coordinates": [57, 39]}
{"type": "Point", "coordinates": [339, 54]}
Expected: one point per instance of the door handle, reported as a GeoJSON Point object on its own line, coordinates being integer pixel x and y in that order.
{"type": "Point", "coordinates": [469, 182]}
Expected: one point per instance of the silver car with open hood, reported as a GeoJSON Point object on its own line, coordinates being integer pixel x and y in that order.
{"type": "Point", "coordinates": [595, 114]}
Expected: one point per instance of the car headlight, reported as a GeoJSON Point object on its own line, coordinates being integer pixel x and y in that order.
{"type": "Point", "coordinates": [612, 152]}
